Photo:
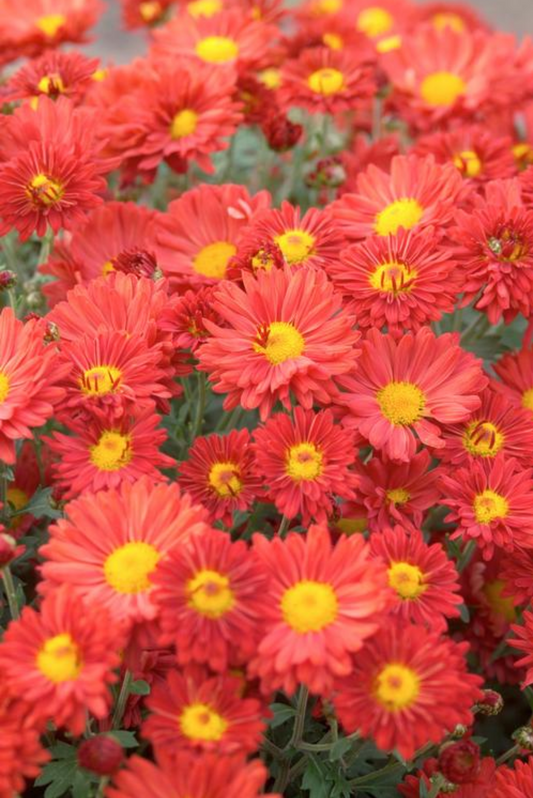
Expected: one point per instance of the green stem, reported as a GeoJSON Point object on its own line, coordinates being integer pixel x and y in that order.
{"type": "Point", "coordinates": [284, 525]}
{"type": "Point", "coordinates": [299, 721]}
{"type": "Point", "coordinates": [466, 555]}
{"type": "Point", "coordinates": [272, 749]}
{"type": "Point", "coordinates": [514, 751]}
{"type": "Point", "coordinates": [361, 781]}
{"type": "Point", "coordinates": [102, 784]}
{"type": "Point", "coordinates": [377, 112]}
{"type": "Point", "coordinates": [47, 242]}
{"type": "Point", "coordinates": [476, 329]}
{"type": "Point", "coordinates": [324, 136]}
{"type": "Point", "coordinates": [282, 778]}
{"type": "Point", "coordinates": [200, 406]}
{"type": "Point", "coordinates": [436, 786]}
{"type": "Point", "coordinates": [121, 700]}
{"type": "Point", "coordinates": [11, 593]}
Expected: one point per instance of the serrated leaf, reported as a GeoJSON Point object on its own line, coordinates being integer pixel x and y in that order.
{"type": "Point", "coordinates": [127, 739]}
{"type": "Point", "coordinates": [314, 779]}
{"type": "Point", "coordinates": [39, 506]}
{"type": "Point", "coordinates": [54, 771]}
{"type": "Point", "coordinates": [282, 713]}
{"type": "Point", "coordinates": [339, 748]}
{"type": "Point", "coordinates": [140, 687]}
{"type": "Point", "coordinates": [81, 786]}
{"type": "Point", "coordinates": [61, 784]}
{"type": "Point", "coordinates": [63, 751]}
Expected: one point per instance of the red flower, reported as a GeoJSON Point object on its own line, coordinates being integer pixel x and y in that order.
{"type": "Point", "coordinates": [144, 13]}
{"type": "Point", "coordinates": [456, 16]}
{"type": "Point", "coordinates": [515, 371]}
{"type": "Point", "coordinates": [185, 317]}
{"type": "Point", "coordinates": [477, 153]}
{"type": "Point", "coordinates": [21, 753]}
{"type": "Point", "coordinates": [514, 783]}
{"type": "Point", "coordinates": [479, 787]}
{"type": "Point", "coordinates": [54, 73]}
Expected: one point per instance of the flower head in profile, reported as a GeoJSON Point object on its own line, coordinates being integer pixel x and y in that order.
{"type": "Point", "coordinates": [480, 783]}
{"type": "Point", "coordinates": [55, 74]}
{"type": "Point", "coordinates": [515, 371]}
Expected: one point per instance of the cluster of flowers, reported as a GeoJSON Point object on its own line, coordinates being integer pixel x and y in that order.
{"type": "Point", "coordinates": [344, 542]}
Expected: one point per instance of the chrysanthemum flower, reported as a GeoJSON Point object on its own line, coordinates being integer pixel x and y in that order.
{"type": "Point", "coordinates": [322, 603]}
{"type": "Point", "coordinates": [27, 478]}
{"type": "Point", "coordinates": [184, 317]}
{"type": "Point", "coordinates": [192, 710]}
{"type": "Point", "coordinates": [219, 474]}
{"type": "Point", "coordinates": [304, 462]}
{"type": "Point", "coordinates": [54, 73]}
{"type": "Point", "coordinates": [286, 333]}
{"type": "Point", "coordinates": [200, 253]}
{"type": "Point", "coordinates": [210, 597]}
{"type": "Point", "coordinates": [480, 784]}
{"type": "Point", "coordinates": [496, 426]}
{"type": "Point", "coordinates": [407, 690]}
{"type": "Point", "coordinates": [374, 18]}
{"type": "Point", "coordinates": [517, 575]}
{"type": "Point", "coordinates": [398, 493]}
{"type": "Point", "coordinates": [362, 153]}
{"type": "Point", "coordinates": [30, 377]}
{"type": "Point", "coordinates": [515, 371]}
{"type": "Point", "coordinates": [144, 13]}
{"type": "Point", "coordinates": [424, 580]}
{"type": "Point", "coordinates": [455, 16]}
{"type": "Point", "coordinates": [516, 782]}
{"type": "Point", "coordinates": [323, 80]}
{"type": "Point", "coordinates": [411, 387]}
{"type": "Point", "coordinates": [61, 659]}
{"type": "Point", "coordinates": [110, 543]}
{"type": "Point", "coordinates": [400, 281]}
{"type": "Point", "coordinates": [21, 753]}
{"type": "Point", "coordinates": [417, 193]}
{"type": "Point", "coordinates": [492, 503]}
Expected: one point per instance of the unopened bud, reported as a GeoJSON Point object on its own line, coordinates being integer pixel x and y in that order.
{"type": "Point", "coordinates": [7, 280]}
{"type": "Point", "coordinates": [459, 762]}
{"type": "Point", "coordinates": [8, 549]}
{"type": "Point", "coordinates": [102, 754]}
{"type": "Point", "coordinates": [524, 737]}
{"type": "Point", "coordinates": [490, 704]}
{"type": "Point", "coordinates": [459, 731]}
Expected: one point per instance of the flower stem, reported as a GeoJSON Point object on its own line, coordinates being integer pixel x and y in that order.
{"type": "Point", "coordinates": [284, 525]}
{"type": "Point", "coordinates": [508, 754]}
{"type": "Point", "coordinates": [299, 722]}
{"type": "Point", "coordinates": [121, 700]}
{"type": "Point", "coordinates": [11, 594]}
{"type": "Point", "coordinates": [200, 406]}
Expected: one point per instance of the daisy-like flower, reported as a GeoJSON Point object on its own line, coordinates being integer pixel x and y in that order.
{"type": "Point", "coordinates": [515, 782]}
{"type": "Point", "coordinates": [102, 453]}
{"type": "Point", "coordinates": [322, 602]}
{"type": "Point", "coordinates": [27, 479]}
{"type": "Point", "coordinates": [220, 474]}
{"type": "Point", "coordinates": [400, 281]}
{"type": "Point", "coordinates": [110, 543]}
{"type": "Point", "coordinates": [515, 371]}
{"type": "Point", "coordinates": [286, 332]}
{"type": "Point", "coordinates": [210, 597]}
{"type": "Point", "coordinates": [376, 19]}
{"type": "Point", "coordinates": [30, 377]}
{"type": "Point", "coordinates": [61, 659]}
{"type": "Point", "coordinates": [410, 388]}
{"type": "Point", "coordinates": [193, 710]}
{"type": "Point", "coordinates": [304, 462]}
{"type": "Point", "coordinates": [398, 493]}
{"type": "Point", "coordinates": [195, 253]}
{"type": "Point", "coordinates": [491, 503]}
{"type": "Point", "coordinates": [54, 73]}
{"type": "Point", "coordinates": [524, 642]}
{"type": "Point", "coordinates": [185, 315]}
{"type": "Point", "coordinates": [424, 580]}
{"type": "Point", "coordinates": [144, 13]}
{"type": "Point", "coordinates": [496, 426]}
{"type": "Point", "coordinates": [20, 743]}
{"type": "Point", "coordinates": [407, 690]}
{"type": "Point", "coordinates": [323, 80]}
{"type": "Point", "coordinates": [417, 193]}
{"type": "Point", "coordinates": [455, 16]}
{"type": "Point", "coordinates": [517, 575]}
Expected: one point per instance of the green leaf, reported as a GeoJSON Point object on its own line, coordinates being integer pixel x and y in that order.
{"type": "Point", "coordinates": [339, 748]}
{"type": "Point", "coordinates": [282, 713]}
{"type": "Point", "coordinates": [39, 506]}
{"type": "Point", "coordinates": [127, 739]}
{"type": "Point", "coordinates": [81, 786]}
{"type": "Point", "coordinates": [59, 786]}
{"type": "Point", "coordinates": [315, 779]}
{"type": "Point", "coordinates": [53, 771]}
{"type": "Point", "coordinates": [423, 791]}
{"type": "Point", "coordinates": [140, 688]}
{"type": "Point", "coordinates": [63, 751]}
{"type": "Point", "coordinates": [464, 613]}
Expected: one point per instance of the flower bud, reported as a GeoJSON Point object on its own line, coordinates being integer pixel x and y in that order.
{"type": "Point", "coordinates": [459, 762]}
{"type": "Point", "coordinates": [490, 704]}
{"type": "Point", "coordinates": [459, 731]}
{"type": "Point", "coordinates": [7, 280]}
{"type": "Point", "coordinates": [8, 549]}
{"type": "Point", "coordinates": [102, 754]}
{"type": "Point", "coordinates": [280, 133]}
{"type": "Point", "coordinates": [524, 737]}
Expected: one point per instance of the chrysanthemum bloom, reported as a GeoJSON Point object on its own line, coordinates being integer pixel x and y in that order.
{"type": "Point", "coordinates": [456, 16]}
{"type": "Point", "coordinates": [336, 33]}
{"type": "Point", "coordinates": [188, 775]}
{"type": "Point", "coordinates": [304, 462]}
{"type": "Point", "coordinates": [52, 170]}
{"type": "Point", "coordinates": [61, 659]}
{"type": "Point", "coordinates": [524, 642]}
{"type": "Point", "coordinates": [322, 603]}
{"type": "Point", "coordinates": [516, 782]}
{"type": "Point", "coordinates": [403, 391]}
{"type": "Point", "coordinates": [54, 73]}
{"type": "Point", "coordinates": [210, 597]}
{"type": "Point", "coordinates": [362, 153]}
{"type": "Point", "coordinates": [400, 281]}
{"type": "Point", "coordinates": [184, 317]}
{"type": "Point", "coordinates": [323, 80]}
{"type": "Point", "coordinates": [496, 426]}
{"type": "Point", "coordinates": [21, 753]}
{"type": "Point", "coordinates": [30, 377]}
{"type": "Point", "coordinates": [193, 710]}
{"type": "Point", "coordinates": [219, 474]}
{"type": "Point", "coordinates": [492, 503]}
{"type": "Point", "coordinates": [286, 332]}
{"type": "Point", "coordinates": [407, 689]}
{"type": "Point", "coordinates": [424, 580]}
{"type": "Point", "coordinates": [398, 493]}
{"type": "Point", "coordinates": [480, 785]}
{"type": "Point", "coordinates": [517, 575]}
{"type": "Point", "coordinates": [27, 478]}
{"type": "Point", "coordinates": [373, 18]}
{"type": "Point", "coordinates": [515, 371]}
{"type": "Point", "coordinates": [417, 193]}
{"type": "Point", "coordinates": [144, 13]}
{"type": "Point", "coordinates": [200, 253]}
{"type": "Point", "coordinates": [110, 543]}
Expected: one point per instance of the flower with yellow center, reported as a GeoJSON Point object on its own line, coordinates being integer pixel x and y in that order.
{"type": "Point", "coordinates": [212, 261]}
{"type": "Point", "coordinates": [49, 24]}
{"type": "Point", "coordinates": [523, 154]}
{"type": "Point", "coordinates": [59, 659]}
{"type": "Point", "coordinates": [217, 50]}
{"type": "Point", "coordinates": [279, 341]}
{"type": "Point", "coordinates": [469, 163]}
{"type": "Point", "coordinates": [502, 605]}
{"type": "Point", "coordinates": [210, 594]}
{"type": "Point", "coordinates": [204, 8]}
{"type": "Point", "coordinates": [112, 452]}
{"type": "Point", "coordinates": [447, 19]}
{"type": "Point", "coordinates": [184, 124]}
{"type": "Point", "coordinates": [4, 387]}
{"type": "Point", "coordinates": [490, 506]}
{"type": "Point", "coordinates": [441, 89]}
{"type": "Point", "coordinates": [326, 81]}
{"type": "Point", "coordinates": [483, 439]}
{"type": "Point", "coordinates": [402, 403]}
{"type": "Point", "coordinates": [202, 723]}
{"type": "Point", "coordinates": [398, 496]}
{"type": "Point", "coordinates": [107, 268]}
{"type": "Point", "coordinates": [375, 21]}
{"type": "Point", "coordinates": [128, 568]}
{"type": "Point", "coordinates": [393, 278]}
{"type": "Point", "coordinates": [405, 212]}
{"type": "Point", "coordinates": [271, 78]}
{"type": "Point", "coordinates": [527, 398]}
{"type": "Point", "coordinates": [51, 84]}
{"type": "Point", "coordinates": [303, 462]}
{"type": "Point", "coordinates": [225, 480]}
{"type": "Point", "coordinates": [309, 606]}
{"type": "Point", "coordinates": [333, 41]}
{"type": "Point", "coordinates": [396, 687]}
{"type": "Point", "coordinates": [407, 580]}
{"type": "Point", "coordinates": [296, 245]}
{"type": "Point", "coordinates": [44, 190]}
{"type": "Point", "coordinates": [100, 380]}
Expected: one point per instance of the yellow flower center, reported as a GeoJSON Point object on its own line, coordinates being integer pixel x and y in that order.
{"type": "Point", "coordinates": [352, 526]}
{"type": "Point", "coordinates": [303, 462]}
{"type": "Point", "coordinates": [501, 605]}
{"type": "Point", "coordinates": [523, 154]}
{"type": "Point", "coordinates": [217, 50]}
{"type": "Point", "coordinates": [44, 190]}
{"type": "Point", "coordinates": [100, 380]}
{"type": "Point", "coordinates": [482, 439]}
{"type": "Point", "coordinates": [442, 88]}
{"type": "Point", "coordinates": [210, 594]}
{"type": "Point", "coordinates": [398, 495]}
{"type": "Point", "coordinates": [271, 78]}
{"type": "Point", "coordinates": [447, 19]}
{"type": "Point", "coordinates": [296, 245]}
{"type": "Point", "coordinates": [402, 403]}
{"type": "Point", "coordinates": [394, 278]}
{"type": "Point", "coordinates": [150, 10]}
{"type": "Point", "coordinates": [17, 497]}
{"type": "Point", "coordinates": [50, 83]}
{"type": "Point", "coordinates": [107, 268]}
{"type": "Point", "coordinates": [468, 163]}
{"type": "Point", "coordinates": [404, 213]}
{"type": "Point", "coordinates": [328, 7]}
{"type": "Point", "coordinates": [184, 124]}
{"type": "Point", "coordinates": [375, 21]}
{"type": "Point", "coordinates": [333, 41]}
{"type": "Point", "coordinates": [112, 452]}
{"type": "Point", "coordinates": [326, 81]}
{"type": "Point", "coordinates": [224, 478]}
{"type": "Point", "coordinates": [201, 722]}
{"type": "Point", "coordinates": [407, 580]}
{"type": "Point", "coordinates": [212, 261]}
{"type": "Point", "coordinates": [396, 687]}
{"type": "Point", "coordinates": [49, 24]}
{"type": "Point", "coordinates": [59, 659]}
{"type": "Point", "coordinates": [309, 606]}
{"type": "Point", "coordinates": [204, 8]}
{"type": "Point", "coordinates": [389, 43]}
{"type": "Point", "coordinates": [527, 398]}
{"type": "Point", "coordinates": [99, 75]}
{"type": "Point", "coordinates": [4, 387]}
{"type": "Point", "coordinates": [128, 568]}
{"type": "Point", "coordinates": [489, 506]}
{"type": "Point", "coordinates": [279, 341]}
